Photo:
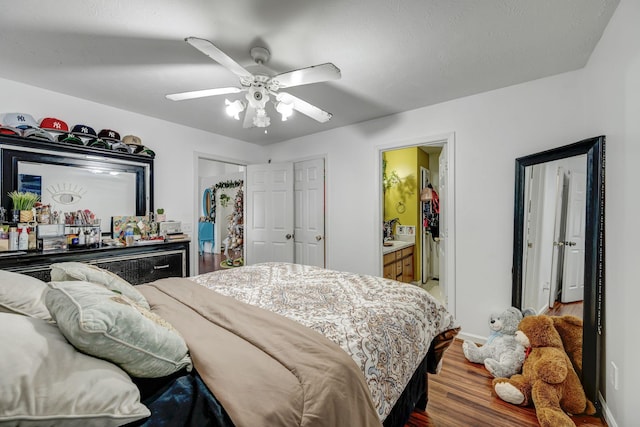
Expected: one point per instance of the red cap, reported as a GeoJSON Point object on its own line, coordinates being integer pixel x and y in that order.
{"type": "Point", "coordinates": [57, 125]}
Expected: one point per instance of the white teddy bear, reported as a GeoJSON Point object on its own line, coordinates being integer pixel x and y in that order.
{"type": "Point", "coordinates": [502, 355]}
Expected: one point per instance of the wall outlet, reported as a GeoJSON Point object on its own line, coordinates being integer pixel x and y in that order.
{"type": "Point", "coordinates": [614, 376]}
{"type": "Point", "coordinates": [187, 227]}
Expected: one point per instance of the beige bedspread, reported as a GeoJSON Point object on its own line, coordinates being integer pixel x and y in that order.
{"type": "Point", "coordinates": [264, 369]}
{"type": "Point", "coordinates": [386, 326]}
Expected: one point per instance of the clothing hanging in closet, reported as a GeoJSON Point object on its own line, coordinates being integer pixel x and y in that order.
{"type": "Point", "coordinates": [431, 212]}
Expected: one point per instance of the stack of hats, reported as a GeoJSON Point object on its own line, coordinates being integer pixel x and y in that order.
{"type": "Point", "coordinates": [53, 129]}
{"type": "Point", "coordinates": [23, 124]}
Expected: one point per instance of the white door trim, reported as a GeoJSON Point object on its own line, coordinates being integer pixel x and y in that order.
{"type": "Point", "coordinates": [449, 140]}
{"type": "Point", "coordinates": [197, 204]}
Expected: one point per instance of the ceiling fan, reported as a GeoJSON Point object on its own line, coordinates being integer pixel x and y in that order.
{"type": "Point", "coordinates": [261, 87]}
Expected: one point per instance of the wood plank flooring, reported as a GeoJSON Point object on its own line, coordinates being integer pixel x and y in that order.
{"type": "Point", "coordinates": [461, 396]}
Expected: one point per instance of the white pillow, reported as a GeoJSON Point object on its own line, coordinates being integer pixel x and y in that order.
{"type": "Point", "coordinates": [46, 382]}
{"type": "Point", "coordinates": [108, 325]}
{"type": "Point", "coordinates": [23, 294]}
{"type": "Point", "coordinates": [64, 271]}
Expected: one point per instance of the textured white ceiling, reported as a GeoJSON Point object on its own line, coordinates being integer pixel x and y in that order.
{"type": "Point", "coordinates": [395, 55]}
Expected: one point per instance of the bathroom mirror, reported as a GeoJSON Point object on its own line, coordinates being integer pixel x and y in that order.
{"type": "Point", "coordinates": [565, 185]}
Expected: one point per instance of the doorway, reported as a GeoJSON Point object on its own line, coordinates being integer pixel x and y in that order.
{"type": "Point", "coordinates": [219, 184]}
{"type": "Point", "coordinates": [554, 219]}
{"type": "Point", "coordinates": [434, 242]}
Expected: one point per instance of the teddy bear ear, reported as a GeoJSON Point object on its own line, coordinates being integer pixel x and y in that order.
{"type": "Point", "coordinates": [528, 312]}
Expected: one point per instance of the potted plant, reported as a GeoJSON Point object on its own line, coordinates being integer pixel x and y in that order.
{"type": "Point", "coordinates": [24, 201]}
{"type": "Point", "coordinates": [160, 217]}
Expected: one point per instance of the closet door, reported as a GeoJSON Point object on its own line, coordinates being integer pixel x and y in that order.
{"type": "Point", "coordinates": [269, 224]}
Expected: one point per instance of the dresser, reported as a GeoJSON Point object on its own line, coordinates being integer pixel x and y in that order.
{"type": "Point", "coordinates": [135, 264]}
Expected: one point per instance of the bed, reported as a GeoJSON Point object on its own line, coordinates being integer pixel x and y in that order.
{"type": "Point", "coordinates": [273, 344]}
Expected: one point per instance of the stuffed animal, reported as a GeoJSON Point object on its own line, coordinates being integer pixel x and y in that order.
{"type": "Point", "coordinates": [502, 355]}
{"type": "Point", "coordinates": [570, 330]}
{"type": "Point", "coordinates": [548, 380]}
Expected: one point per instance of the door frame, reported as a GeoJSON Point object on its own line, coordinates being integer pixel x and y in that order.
{"type": "Point", "coordinates": [442, 139]}
{"type": "Point", "coordinates": [197, 197]}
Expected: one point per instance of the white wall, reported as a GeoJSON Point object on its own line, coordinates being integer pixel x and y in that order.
{"type": "Point", "coordinates": [612, 96]}
{"type": "Point", "coordinates": [491, 130]}
{"type": "Point", "coordinates": [175, 146]}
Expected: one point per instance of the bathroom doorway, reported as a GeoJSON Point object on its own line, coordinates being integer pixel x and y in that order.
{"type": "Point", "coordinates": [417, 191]}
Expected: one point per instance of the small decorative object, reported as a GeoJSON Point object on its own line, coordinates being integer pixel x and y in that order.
{"type": "Point", "coordinates": [160, 217]}
{"type": "Point", "coordinates": [24, 202]}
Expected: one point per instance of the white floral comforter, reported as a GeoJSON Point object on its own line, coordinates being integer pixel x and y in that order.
{"type": "Point", "coordinates": [386, 326]}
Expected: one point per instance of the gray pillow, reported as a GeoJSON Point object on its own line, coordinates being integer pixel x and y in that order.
{"type": "Point", "coordinates": [23, 294]}
{"type": "Point", "coordinates": [46, 382]}
{"type": "Point", "coordinates": [64, 271]}
{"type": "Point", "coordinates": [108, 325]}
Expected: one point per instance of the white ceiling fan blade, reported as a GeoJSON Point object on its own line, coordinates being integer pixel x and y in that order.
{"type": "Point", "coordinates": [304, 107]}
{"type": "Point", "coordinates": [249, 114]}
{"type": "Point", "coordinates": [209, 49]}
{"type": "Point", "coordinates": [202, 93]}
{"type": "Point", "coordinates": [303, 76]}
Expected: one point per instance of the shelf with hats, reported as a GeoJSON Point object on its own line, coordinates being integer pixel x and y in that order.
{"type": "Point", "coordinates": [54, 130]}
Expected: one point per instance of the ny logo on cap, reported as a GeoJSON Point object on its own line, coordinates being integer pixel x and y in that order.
{"type": "Point", "coordinates": [57, 125]}
{"type": "Point", "coordinates": [21, 118]}
{"type": "Point", "coordinates": [112, 134]}
{"type": "Point", "coordinates": [85, 129]}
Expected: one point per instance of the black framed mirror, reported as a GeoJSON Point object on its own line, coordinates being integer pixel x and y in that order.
{"type": "Point", "coordinates": [71, 178]}
{"type": "Point", "coordinates": [590, 228]}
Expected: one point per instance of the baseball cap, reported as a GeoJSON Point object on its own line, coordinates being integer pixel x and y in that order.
{"type": "Point", "coordinates": [120, 146]}
{"type": "Point", "coordinates": [132, 140]}
{"type": "Point", "coordinates": [70, 138]}
{"type": "Point", "coordinates": [84, 130]}
{"type": "Point", "coordinates": [98, 143]}
{"type": "Point", "coordinates": [19, 120]}
{"type": "Point", "coordinates": [8, 130]}
{"type": "Point", "coordinates": [147, 152]}
{"type": "Point", "coordinates": [109, 135]}
{"type": "Point", "coordinates": [37, 133]}
{"type": "Point", "coordinates": [53, 124]}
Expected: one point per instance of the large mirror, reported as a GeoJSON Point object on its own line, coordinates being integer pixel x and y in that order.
{"type": "Point", "coordinates": [558, 249]}
{"type": "Point", "coordinates": [70, 181]}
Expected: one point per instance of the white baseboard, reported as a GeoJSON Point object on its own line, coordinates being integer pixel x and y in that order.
{"type": "Point", "coordinates": [478, 339]}
{"type": "Point", "coordinates": [608, 416]}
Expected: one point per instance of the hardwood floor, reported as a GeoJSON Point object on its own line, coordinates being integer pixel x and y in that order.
{"type": "Point", "coordinates": [461, 396]}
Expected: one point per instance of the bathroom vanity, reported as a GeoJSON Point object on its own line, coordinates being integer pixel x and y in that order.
{"type": "Point", "coordinates": [398, 261]}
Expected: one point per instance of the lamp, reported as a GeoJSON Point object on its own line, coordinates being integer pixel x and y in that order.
{"type": "Point", "coordinates": [286, 110]}
{"type": "Point", "coordinates": [234, 108]}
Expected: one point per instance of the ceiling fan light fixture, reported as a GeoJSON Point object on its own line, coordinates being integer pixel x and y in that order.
{"type": "Point", "coordinates": [234, 108]}
{"type": "Point", "coordinates": [261, 119]}
{"type": "Point", "coordinates": [285, 109]}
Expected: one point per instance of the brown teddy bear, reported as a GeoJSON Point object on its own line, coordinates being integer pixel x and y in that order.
{"type": "Point", "coordinates": [548, 379]}
{"type": "Point", "coordinates": [570, 330]}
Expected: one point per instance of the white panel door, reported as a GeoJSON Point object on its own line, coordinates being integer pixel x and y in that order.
{"type": "Point", "coordinates": [444, 232]}
{"type": "Point", "coordinates": [573, 274]}
{"type": "Point", "coordinates": [309, 212]}
{"type": "Point", "coordinates": [269, 224]}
